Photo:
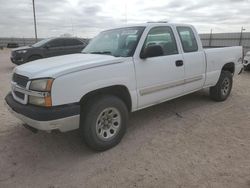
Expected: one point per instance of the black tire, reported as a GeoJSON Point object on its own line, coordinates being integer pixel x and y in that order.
{"type": "Point", "coordinates": [92, 114]}
{"type": "Point", "coordinates": [34, 57]}
{"type": "Point", "coordinates": [222, 89]}
{"type": "Point", "coordinates": [247, 68]}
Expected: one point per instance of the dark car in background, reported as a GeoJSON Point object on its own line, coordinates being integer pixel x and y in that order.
{"type": "Point", "coordinates": [12, 45]}
{"type": "Point", "coordinates": [47, 48]}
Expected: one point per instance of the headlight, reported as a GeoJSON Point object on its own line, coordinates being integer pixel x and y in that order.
{"type": "Point", "coordinates": [42, 85]}
{"type": "Point", "coordinates": [40, 101]}
{"type": "Point", "coordinates": [21, 51]}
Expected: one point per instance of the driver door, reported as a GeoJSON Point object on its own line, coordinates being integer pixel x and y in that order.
{"type": "Point", "coordinates": [162, 77]}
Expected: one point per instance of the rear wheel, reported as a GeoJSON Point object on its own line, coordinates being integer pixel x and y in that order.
{"type": "Point", "coordinates": [222, 89]}
{"type": "Point", "coordinates": [247, 68]}
{"type": "Point", "coordinates": [103, 122]}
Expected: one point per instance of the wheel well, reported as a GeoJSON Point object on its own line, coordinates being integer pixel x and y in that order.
{"type": "Point", "coordinates": [229, 67]}
{"type": "Point", "coordinates": [117, 90]}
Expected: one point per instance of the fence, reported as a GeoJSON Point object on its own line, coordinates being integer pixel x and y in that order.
{"type": "Point", "coordinates": [19, 41]}
{"type": "Point", "coordinates": [208, 40]}
{"type": "Point", "coordinates": [226, 39]}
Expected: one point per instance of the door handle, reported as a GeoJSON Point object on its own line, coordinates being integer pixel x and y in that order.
{"type": "Point", "coordinates": [179, 63]}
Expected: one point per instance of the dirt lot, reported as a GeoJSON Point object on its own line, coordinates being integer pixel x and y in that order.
{"type": "Point", "coordinates": [188, 142]}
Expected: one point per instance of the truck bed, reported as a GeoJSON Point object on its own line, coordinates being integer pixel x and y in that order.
{"type": "Point", "coordinates": [217, 57]}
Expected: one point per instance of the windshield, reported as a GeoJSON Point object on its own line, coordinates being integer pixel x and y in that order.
{"type": "Point", "coordinates": [41, 43]}
{"type": "Point", "coordinates": [117, 42]}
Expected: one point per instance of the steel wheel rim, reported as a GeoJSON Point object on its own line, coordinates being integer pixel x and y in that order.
{"type": "Point", "coordinates": [225, 86]}
{"type": "Point", "coordinates": [108, 123]}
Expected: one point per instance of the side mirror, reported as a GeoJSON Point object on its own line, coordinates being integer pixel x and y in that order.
{"type": "Point", "coordinates": [152, 51]}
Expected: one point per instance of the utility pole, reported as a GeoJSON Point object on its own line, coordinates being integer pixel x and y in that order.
{"type": "Point", "coordinates": [126, 13]}
{"type": "Point", "coordinates": [34, 13]}
{"type": "Point", "coordinates": [210, 38]}
{"type": "Point", "coordinates": [72, 28]}
{"type": "Point", "coordinates": [241, 34]}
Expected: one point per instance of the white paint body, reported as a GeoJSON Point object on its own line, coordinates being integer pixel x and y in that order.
{"type": "Point", "coordinates": [149, 81]}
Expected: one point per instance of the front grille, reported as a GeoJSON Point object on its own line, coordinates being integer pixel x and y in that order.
{"type": "Point", "coordinates": [20, 80]}
{"type": "Point", "coordinates": [19, 95]}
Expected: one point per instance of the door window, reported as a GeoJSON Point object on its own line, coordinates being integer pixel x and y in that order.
{"type": "Point", "coordinates": [72, 42]}
{"type": "Point", "coordinates": [56, 43]}
{"type": "Point", "coordinates": [164, 37]}
{"type": "Point", "coordinates": [188, 39]}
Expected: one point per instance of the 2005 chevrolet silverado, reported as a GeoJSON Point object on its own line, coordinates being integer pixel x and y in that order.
{"type": "Point", "coordinates": [122, 70]}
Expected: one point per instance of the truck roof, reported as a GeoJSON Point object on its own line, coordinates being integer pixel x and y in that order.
{"type": "Point", "coordinates": [147, 24]}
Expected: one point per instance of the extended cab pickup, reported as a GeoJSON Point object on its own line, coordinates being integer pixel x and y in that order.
{"type": "Point", "coordinates": [122, 70]}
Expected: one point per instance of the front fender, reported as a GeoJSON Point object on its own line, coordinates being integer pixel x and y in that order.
{"type": "Point", "coordinates": [70, 88]}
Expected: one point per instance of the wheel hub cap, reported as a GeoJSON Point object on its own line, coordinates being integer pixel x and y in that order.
{"type": "Point", "coordinates": [225, 87]}
{"type": "Point", "coordinates": [108, 123]}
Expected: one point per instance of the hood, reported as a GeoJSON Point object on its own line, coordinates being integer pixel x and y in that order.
{"type": "Point", "coordinates": [60, 65]}
{"type": "Point", "coordinates": [21, 48]}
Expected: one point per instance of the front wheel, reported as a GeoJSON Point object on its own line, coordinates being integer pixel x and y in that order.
{"type": "Point", "coordinates": [222, 89]}
{"type": "Point", "coordinates": [103, 122]}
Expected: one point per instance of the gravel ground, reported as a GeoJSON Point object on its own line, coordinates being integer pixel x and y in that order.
{"type": "Point", "coordinates": [187, 142]}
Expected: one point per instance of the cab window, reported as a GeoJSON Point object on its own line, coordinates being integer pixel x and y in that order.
{"type": "Point", "coordinates": [56, 43]}
{"type": "Point", "coordinates": [72, 42]}
{"type": "Point", "coordinates": [188, 40]}
{"type": "Point", "coordinates": [164, 37]}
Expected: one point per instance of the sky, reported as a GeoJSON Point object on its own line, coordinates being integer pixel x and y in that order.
{"type": "Point", "coordinates": [85, 18]}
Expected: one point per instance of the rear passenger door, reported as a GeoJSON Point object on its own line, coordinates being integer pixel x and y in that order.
{"type": "Point", "coordinates": [159, 78]}
{"type": "Point", "coordinates": [194, 59]}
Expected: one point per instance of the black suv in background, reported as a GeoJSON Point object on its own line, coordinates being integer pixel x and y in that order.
{"type": "Point", "coordinates": [47, 48]}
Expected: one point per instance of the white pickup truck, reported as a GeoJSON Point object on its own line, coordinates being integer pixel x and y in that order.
{"type": "Point", "coordinates": [122, 70]}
